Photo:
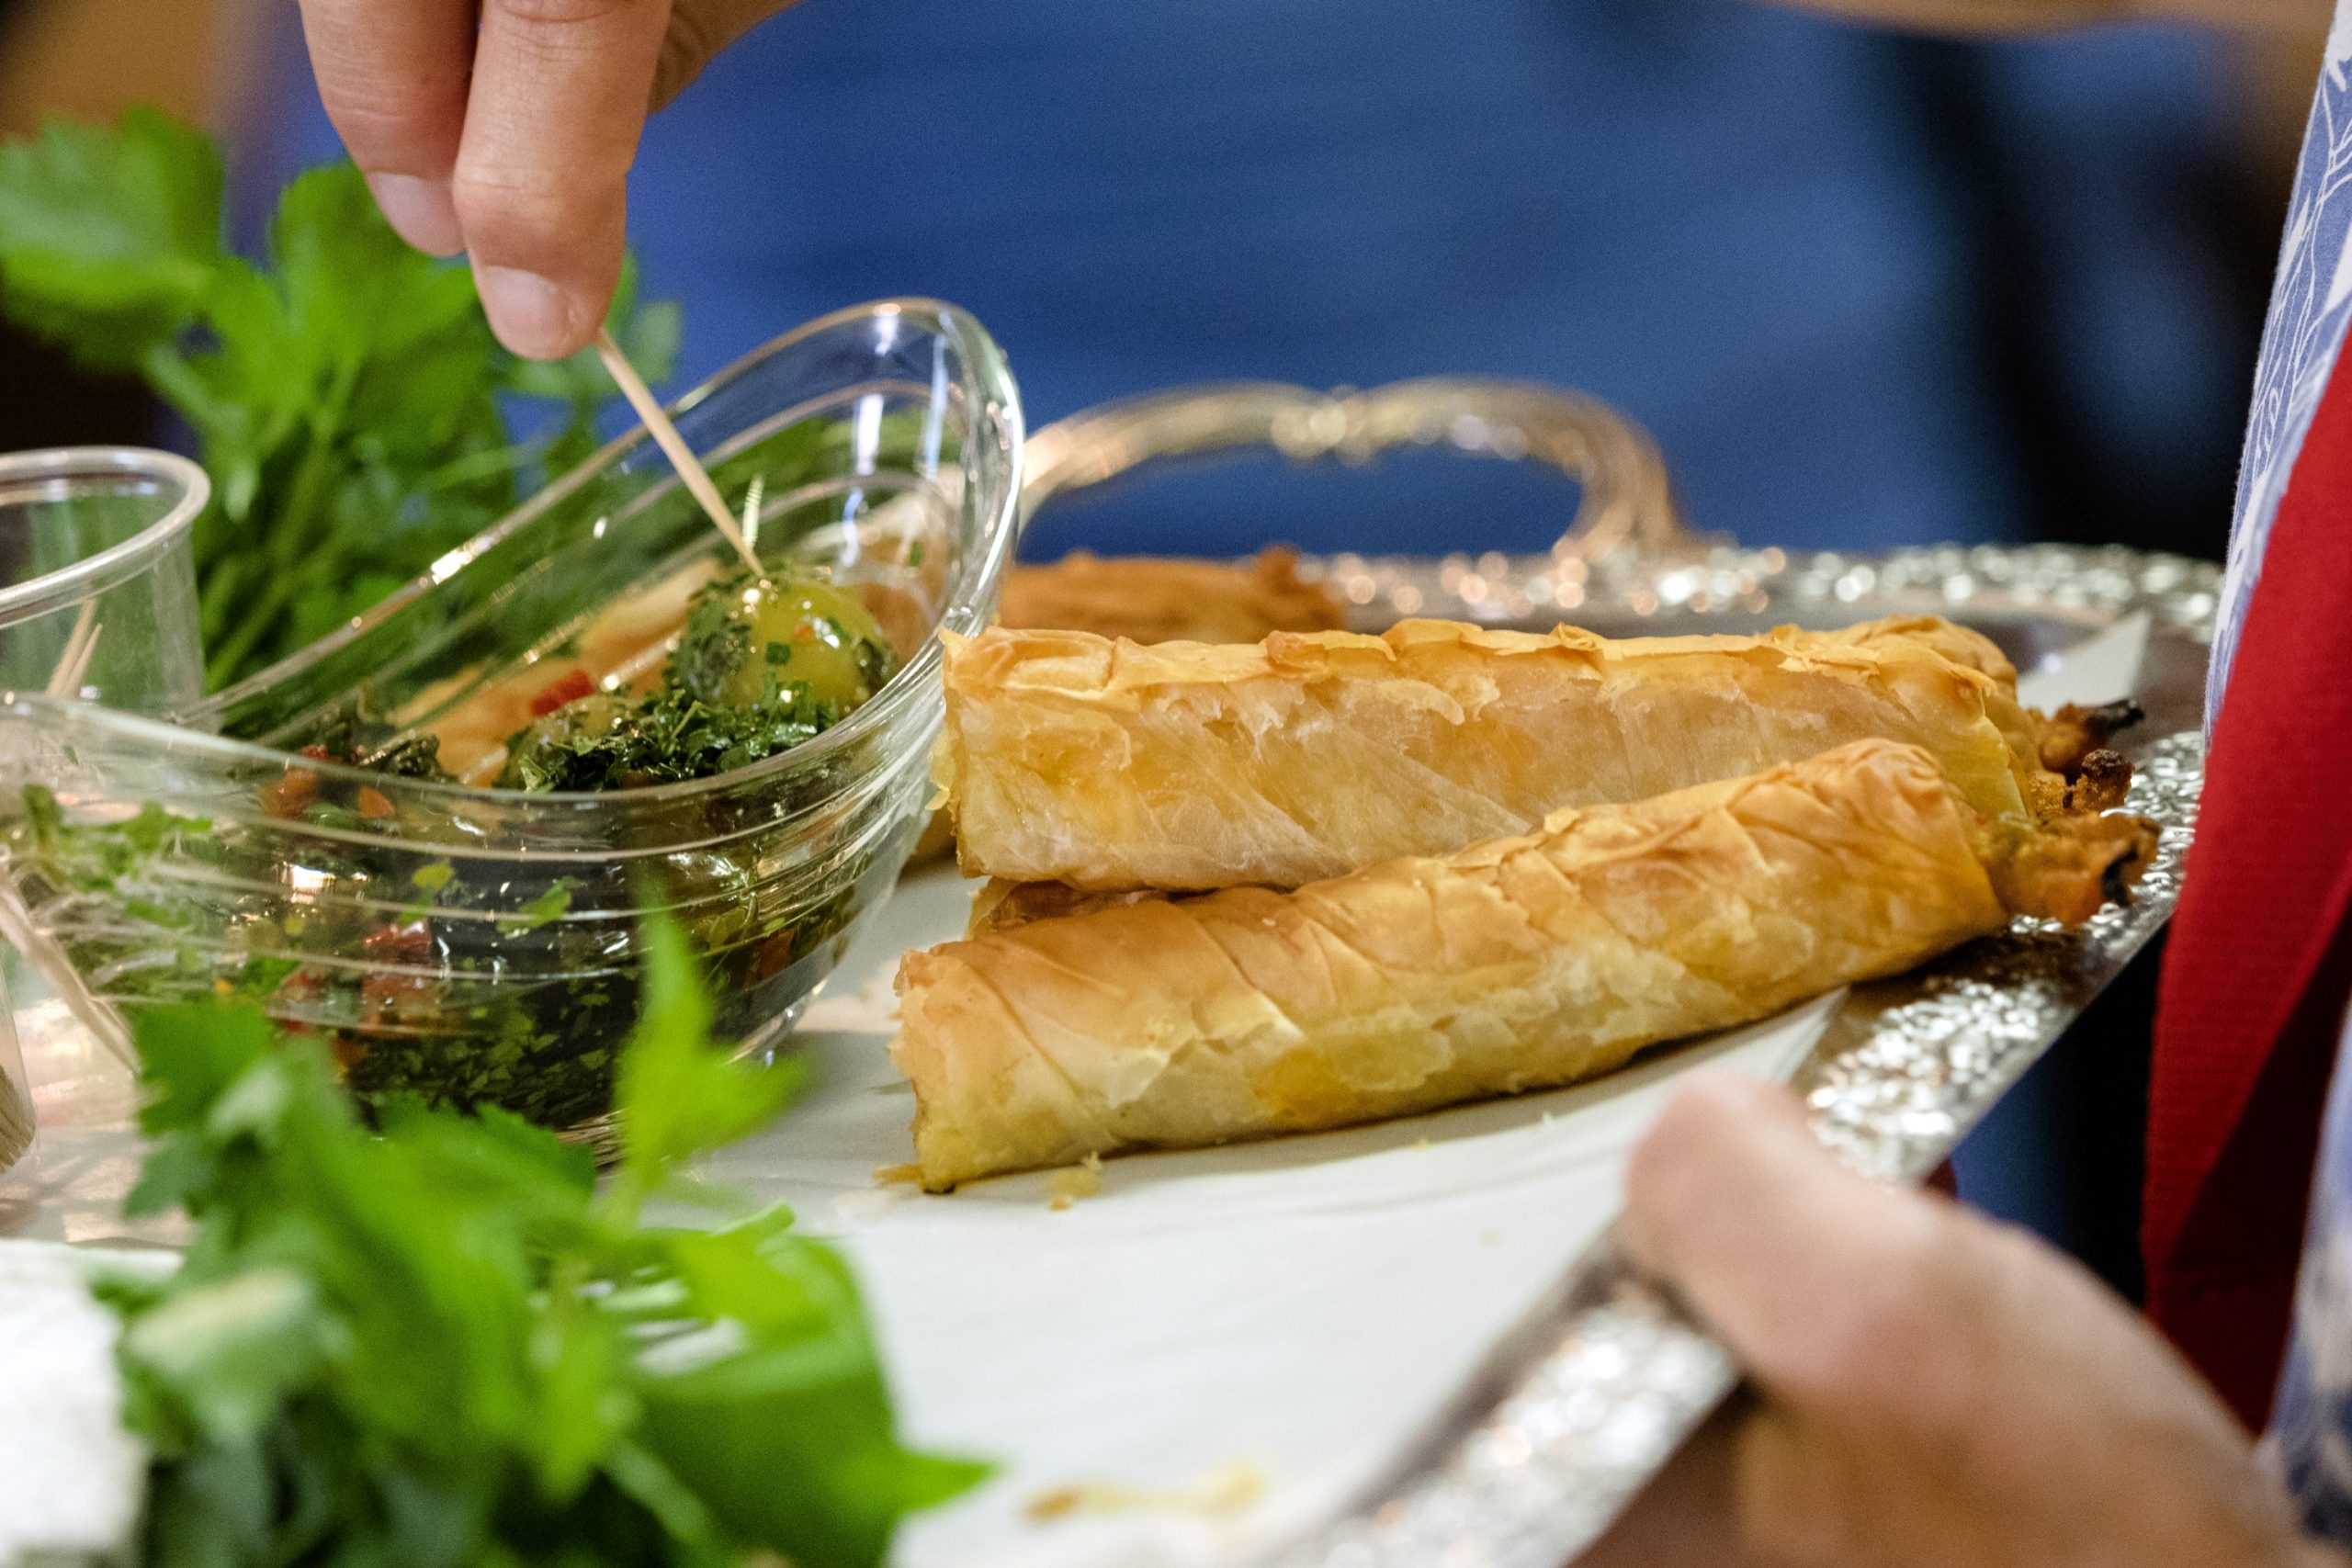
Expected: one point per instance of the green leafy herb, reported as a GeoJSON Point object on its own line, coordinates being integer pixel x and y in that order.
{"type": "Point", "coordinates": [545, 909]}
{"type": "Point", "coordinates": [346, 393]}
{"type": "Point", "coordinates": [662, 737]}
{"type": "Point", "coordinates": [443, 1348]}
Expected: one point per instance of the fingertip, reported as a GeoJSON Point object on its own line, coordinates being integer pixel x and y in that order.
{"type": "Point", "coordinates": [1678, 1162]}
{"type": "Point", "coordinates": [1712, 1109]}
{"type": "Point", "coordinates": [1724, 1094]}
{"type": "Point", "coordinates": [1813, 1274]}
{"type": "Point", "coordinates": [1723, 1179]}
{"type": "Point", "coordinates": [421, 212]}
{"type": "Point", "coordinates": [547, 250]}
{"type": "Point", "coordinates": [534, 316]}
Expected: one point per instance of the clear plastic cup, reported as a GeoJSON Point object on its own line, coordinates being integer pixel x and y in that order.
{"type": "Point", "coordinates": [98, 577]}
{"type": "Point", "coordinates": [97, 602]}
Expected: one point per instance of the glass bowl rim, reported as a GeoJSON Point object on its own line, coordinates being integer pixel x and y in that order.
{"type": "Point", "coordinates": [94, 573]}
{"type": "Point", "coordinates": [985, 365]}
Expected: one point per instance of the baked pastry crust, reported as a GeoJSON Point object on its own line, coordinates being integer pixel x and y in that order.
{"type": "Point", "coordinates": [1151, 599]}
{"type": "Point", "coordinates": [1521, 963]}
{"type": "Point", "coordinates": [1156, 599]}
{"type": "Point", "coordinates": [1108, 765]}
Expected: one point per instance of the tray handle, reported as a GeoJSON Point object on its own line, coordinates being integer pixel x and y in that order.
{"type": "Point", "coordinates": [1626, 496]}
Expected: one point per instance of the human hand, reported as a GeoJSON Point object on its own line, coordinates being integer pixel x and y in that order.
{"type": "Point", "coordinates": [506, 128]}
{"type": "Point", "coordinates": [1929, 1388]}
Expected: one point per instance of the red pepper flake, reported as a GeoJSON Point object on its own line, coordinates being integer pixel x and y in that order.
{"type": "Point", "coordinates": [373, 803]}
{"type": "Point", "coordinates": [318, 754]}
{"type": "Point", "coordinates": [304, 985]}
{"type": "Point", "coordinates": [410, 943]}
{"type": "Point", "coordinates": [388, 998]}
{"type": "Point", "coordinates": [773, 955]}
{"type": "Point", "coordinates": [571, 688]}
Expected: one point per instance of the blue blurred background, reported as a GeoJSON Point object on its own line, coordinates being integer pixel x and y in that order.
{"type": "Point", "coordinates": [1865, 290]}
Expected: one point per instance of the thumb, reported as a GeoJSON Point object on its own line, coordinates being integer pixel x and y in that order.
{"type": "Point", "coordinates": [1788, 1256]}
{"type": "Point", "coordinates": [699, 30]}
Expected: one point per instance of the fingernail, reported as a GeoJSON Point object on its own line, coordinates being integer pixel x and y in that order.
{"type": "Point", "coordinates": [528, 312]}
{"type": "Point", "coordinates": [420, 211]}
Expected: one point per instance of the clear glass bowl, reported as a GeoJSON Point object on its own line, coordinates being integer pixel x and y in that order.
{"type": "Point", "coordinates": [478, 945]}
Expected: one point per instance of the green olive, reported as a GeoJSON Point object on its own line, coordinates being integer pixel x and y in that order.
{"type": "Point", "coordinates": [812, 633]}
{"type": "Point", "coordinates": [536, 749]}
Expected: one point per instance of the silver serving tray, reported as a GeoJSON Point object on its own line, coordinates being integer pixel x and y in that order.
{"type": "Point", "coordinates": [1605, 1376]}
{"type": "Point", "coordinates": [1604, 1380]}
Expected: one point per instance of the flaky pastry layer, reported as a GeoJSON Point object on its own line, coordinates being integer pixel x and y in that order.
{"type": "Point", "coordinates": [1107, 765]}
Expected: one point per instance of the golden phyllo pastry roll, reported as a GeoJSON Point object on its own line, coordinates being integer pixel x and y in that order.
{"type": "Point", "coordinates": [1106, 765]}
{"type": "Point", "coordinates": [1522, 963]}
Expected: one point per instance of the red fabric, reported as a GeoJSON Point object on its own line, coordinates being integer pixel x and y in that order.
{"type": "Point", "coordinates": [2252, 1001]}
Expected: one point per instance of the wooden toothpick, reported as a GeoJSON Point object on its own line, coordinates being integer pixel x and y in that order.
{"type": "Point", "coordinates": [81, 643]}
{"type": "Point", "coordinates": [674, 447]}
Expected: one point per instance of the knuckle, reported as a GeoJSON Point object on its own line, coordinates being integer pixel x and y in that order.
{"type": "Point", "coordinates": [522, 217]}
{"type": "Point", "coordinates": [400, 128]}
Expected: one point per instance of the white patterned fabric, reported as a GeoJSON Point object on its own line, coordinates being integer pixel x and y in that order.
{"type": "Point", "coordinates": [2310, 305]}
{"type": "Point", "coordinates": [2309, 1441]}
{"type": "Point", "coordinates": [2311, 1427]}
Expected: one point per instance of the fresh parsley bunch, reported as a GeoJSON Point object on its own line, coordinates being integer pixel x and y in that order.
{"type": "Point", "coordinates": [443, 1348]}
{"type": "Point", "coordinates": [346, 394]}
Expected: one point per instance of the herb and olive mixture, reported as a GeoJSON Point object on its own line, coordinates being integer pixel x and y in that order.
{"type": "Point", "coordinates": [760, 667]}
{"type": "Point", "coordinates": [465, 980]}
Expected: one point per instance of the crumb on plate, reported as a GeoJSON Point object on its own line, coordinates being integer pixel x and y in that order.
{"type": "Point", "coordinates": [1070, 1183]}
{"type": "Point", "coordinates": [1226, 1489]}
